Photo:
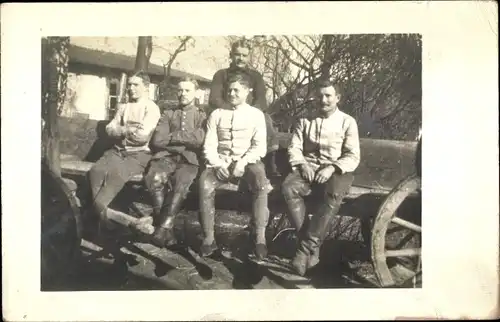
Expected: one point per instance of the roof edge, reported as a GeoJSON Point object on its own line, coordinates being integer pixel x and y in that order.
{"type": "Point", "coordinates": [153, 65]}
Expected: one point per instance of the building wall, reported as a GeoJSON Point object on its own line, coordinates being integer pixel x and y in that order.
{"type": "Point", "coordinates": [86, 94]}
{"type": "Point", "coordinates": [92, 92]}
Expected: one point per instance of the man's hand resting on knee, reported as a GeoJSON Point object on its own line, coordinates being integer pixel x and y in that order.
{"type": "Point", "coordinates": [222, 173]}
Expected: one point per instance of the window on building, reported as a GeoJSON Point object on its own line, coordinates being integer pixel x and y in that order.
{"type": "Point", "coordinates": [113, 97]}
{"type": "Point", "coordinates": [153, 89]}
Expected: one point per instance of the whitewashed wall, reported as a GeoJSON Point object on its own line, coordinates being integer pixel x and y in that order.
{"type": "Point", "coordinates": [86, 94]}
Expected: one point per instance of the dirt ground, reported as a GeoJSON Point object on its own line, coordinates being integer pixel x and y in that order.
{"type": "Point", "coordinates": [122, 262]}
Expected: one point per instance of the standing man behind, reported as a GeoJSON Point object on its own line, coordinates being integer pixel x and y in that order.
{"type": "Point", "coordinates": [132, 127]}
{"type": "Point", "coordinates": [234, 145]}
{"type": "Point", "coordinates": [239, 54]}
{"type": "Point", "coordinates": [177, 143]}
{"type": "Point", "coordinates": [324, 152]}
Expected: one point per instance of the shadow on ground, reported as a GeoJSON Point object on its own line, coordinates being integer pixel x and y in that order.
{"type": "Point", "coordinates": [120, 261]}
{"type": "Point", "coordinates": [119, 264]}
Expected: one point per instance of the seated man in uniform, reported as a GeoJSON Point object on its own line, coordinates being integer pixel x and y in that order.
{"type": "Point", "coordinates": [177, 143]}
{"type": "Point", "coordinates": [240, 51]}
{"type": "Point", "coordinates": [323, 152]}
{"type": "Point", "coordinates": [132, 127]}
{"type": "Point", "coordinates": [234, 146]}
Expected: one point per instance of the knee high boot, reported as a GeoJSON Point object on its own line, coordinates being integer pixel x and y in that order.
{"type": "Point", "coordinates": [164, 222]}
{"type": "Point", "coordinates": [313, 259]}
{"type": "Point", "coordinates": [260, 221]}
{"type": "Point", "coordinates": [312, 240]}
{"type": "Point", "coordinates": [158, 196]}
{"type": "Point", "coordinates": [297, 215]}
{"type": "Point", "coordinates": [207, 221]}
{"type": "Point", "coordinates": [296, 212]}
{"type": "Point", "coordinates": [271, 164]}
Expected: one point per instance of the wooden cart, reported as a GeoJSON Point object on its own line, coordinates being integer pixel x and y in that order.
{"type": "Point", "coordinates": [395, 235]}
{"type": "Point", "coordinates": [396, 238]}
{"type": "Point", "coordinates": [395, 242]}
{"type": "Point", "coordinates": [60, 230]}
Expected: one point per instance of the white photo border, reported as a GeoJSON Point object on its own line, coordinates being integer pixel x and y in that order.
{"type": "Point", "coordinates": [460, 158]}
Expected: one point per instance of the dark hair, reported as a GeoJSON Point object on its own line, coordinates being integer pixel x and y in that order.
{"type": "Point", "coordinates": [240, 77]}
{"type": "Point", "coordinates": [322, 83]}
{"type": "Point", "coordinates": [142, 75]}
{"type": "Point", "coordinates": [241, 43]}
{"type": "Point", "coordinates": [189, 79]}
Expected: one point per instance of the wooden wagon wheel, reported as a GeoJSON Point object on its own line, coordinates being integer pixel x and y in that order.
{"type": "Point", "coordinates": [61, 230]}
{"type": "Point", "coordinates": [396, 265]}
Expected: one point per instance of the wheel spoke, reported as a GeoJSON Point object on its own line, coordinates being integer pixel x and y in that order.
{"type": "Point", "coordinates": [405, 240]}
{"type": "Point", "coordinates": [407, 224]}
{"type": "Point", "coordinates": [409, 252]}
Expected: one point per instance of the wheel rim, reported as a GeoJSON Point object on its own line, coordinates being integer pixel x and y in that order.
{"type": "Point", "coordinates": [396, 265]}
{"type": "Point", "coordinates": [60, 227]}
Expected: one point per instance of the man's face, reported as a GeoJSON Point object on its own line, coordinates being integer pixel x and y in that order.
{"type": "Point", "coordinates": [136, 87]}
{"type": "Point", "coordinates": [240, 57]}
{"type": "Point", "coordinates": [328, 98]}
{"type": "Point", "coordinates": [237, 93]}
{"type": "Point", "coordinates": [186, 93]}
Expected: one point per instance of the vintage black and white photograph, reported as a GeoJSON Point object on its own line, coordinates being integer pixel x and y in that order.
{"type": "Point", "coordinates": [231, 162]}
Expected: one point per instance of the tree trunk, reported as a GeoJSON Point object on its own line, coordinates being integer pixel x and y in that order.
{"type": "Point", "coordinates": [326, 65]}
{"type": "Point", "coordinates": [55, 74]}
{"type": "Point", "coordinates": [144, 51]}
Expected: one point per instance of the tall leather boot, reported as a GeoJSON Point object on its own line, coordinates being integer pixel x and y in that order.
{"type": "Point", "coordinates": [261, 219]}
{"type": "Point", "coordinates": [307, 247]}
{"type": "Point", "coordinates": [313, 259]}
{"type": "Point", "coordinates": [164, 223]}
{"type": "Point", "coordinates": [308, 253]}
{"type": "Point", "coordinates": [157, 197]}
{"type": "Point", "coordinates": [297, 216]}
{"type": "Point", "coordinates": [271, 165]}
{"type": "Point", "coordinates": [296, 212]}
{"type": "Point", "coordinates": [207, 221]}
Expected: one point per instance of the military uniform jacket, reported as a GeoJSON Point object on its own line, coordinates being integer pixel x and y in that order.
{"type": "Point", "coordinates": [180, 131]}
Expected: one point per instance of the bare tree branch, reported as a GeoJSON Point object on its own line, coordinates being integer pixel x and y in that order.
{"type": "Point", "coordinates": [167, 67]}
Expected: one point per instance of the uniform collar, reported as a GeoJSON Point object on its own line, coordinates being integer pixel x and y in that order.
{"type": "Point", "coordinates": [186, 108]}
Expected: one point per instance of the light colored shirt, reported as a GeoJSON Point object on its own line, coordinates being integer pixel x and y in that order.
{"type": "Point", "coordinates": [234, 134]}
{"type": "Point", "coordinates": [332, 140]}
{"type": "Point", "coordinates": [140, 119]}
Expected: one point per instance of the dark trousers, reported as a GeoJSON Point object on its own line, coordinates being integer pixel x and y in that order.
{"type": "Point", "coordinates": [329, 194]}
{"type": "Point", "coordinates": [168, 180]}
{"type": "Point", "coordinates": [255, 177]}
{"type": "Point", "coordinates": [174, 173]}
{"type": "Point", "coordinates": [111, 172]}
